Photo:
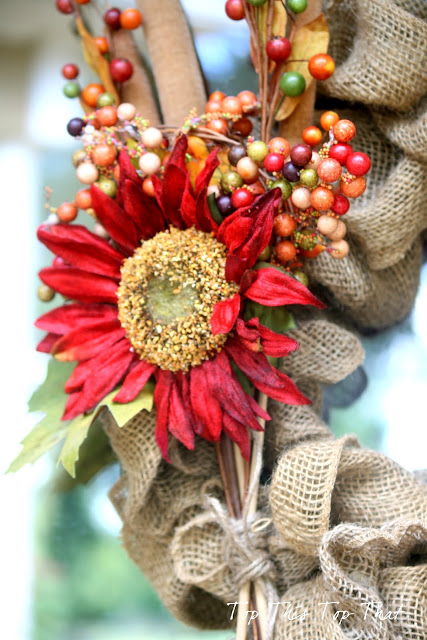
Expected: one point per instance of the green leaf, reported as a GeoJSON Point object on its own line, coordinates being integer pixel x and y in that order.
{"type": "Point", "coordinates": [122, 413]}
{"type": "Point", "coordinates": [50, 398]}
{"type": "Point", "coordinates": [213, 208]}
{"type": "Point", "coordinates": [278, 319]}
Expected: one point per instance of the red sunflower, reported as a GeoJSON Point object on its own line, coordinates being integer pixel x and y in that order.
{"type": "Point", "coordinates": [166, 299]}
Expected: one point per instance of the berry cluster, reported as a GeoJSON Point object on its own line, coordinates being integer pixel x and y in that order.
{"type": "Point", "coordinates": [120, 69]}
{"type": "Point", "coordinates": [315, 185]}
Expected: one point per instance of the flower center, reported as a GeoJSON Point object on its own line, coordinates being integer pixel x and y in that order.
{"type": "Point", "coordinates": [167, 293]}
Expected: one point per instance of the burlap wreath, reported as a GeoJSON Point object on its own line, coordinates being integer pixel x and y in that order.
{"type": "Point", "coordinates": [345, 524]}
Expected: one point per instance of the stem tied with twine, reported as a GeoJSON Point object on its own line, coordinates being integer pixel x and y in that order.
{"type": "Point", "coordinates": [241, 485]}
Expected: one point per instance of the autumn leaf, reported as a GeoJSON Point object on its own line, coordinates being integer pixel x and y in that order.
{"type": "Point", "coordinates": [309, 40]}
{"type": "Point", "coordinates": [95, 59]}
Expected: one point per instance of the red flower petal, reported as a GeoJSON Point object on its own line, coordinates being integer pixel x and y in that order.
{"type": "Point", "coordinates": [71, 316]}
{"type": "Point", "coordinates": [103, 380]}
{"type": "Point", "coordinates": [236, 233]}
{"type": "Point", "coordinates": [204, 220]}
{"type": "Point", "coordinates": [227, 390]}
{"type": "Point", "coordinates": [86, 369]}
{"type": "Point", "coordinates": [179, 423]}
{"type": "Point", "coordinates": [204, 177]}
{"type": "Point", "coordinates": [127, 170]}
{"type": "Point", "coordinates": [288, 393]}
{"type": "Point", "coordinates": [274, 344]}
{"type": "Point", "coordinates": [225, 314]}
{"type": "Point", "coordinates": [235, 267]}
{"type": "Point", "coordinates": [172, 192]}
{"type": "Point", "coordinates": [135, 381]}
{"type": "Point", "coordinates": [85, 342]}
{"type": "Point", "coordinates": [46, 345]}
{"type": "Point", "coordinates": [81, 248]}
{"type": "Point", "coordinates": [238, 432]}
{"type": "Point", "coordinates": [262, 215]}
{"type": "Point", "coordinates": [188, 204]}
{"type": "Point", "coordinates": [273, 288]}
{"type": "Point", "coordinates": [143, 210]}
{"type": "Point", "coordinates": [258, 411]}
{"type": "Point", "coordinates": [204, 404]}
{"type": "Point", "coordinates": [80, 285]}
{"type": "Point", "coordinates": [162, 392]}
{"type": "Point", "coordinates": [255, 365]}
{"type": "Point", "coordinates": [177, 157]}
{"type": "Point", "coordinates": [119, 225]}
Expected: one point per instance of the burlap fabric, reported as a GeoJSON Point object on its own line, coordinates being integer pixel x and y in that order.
{"type": "Point", "coordinates": [345, 525]}
{"type": "Point", "coordinates": [173, 533]}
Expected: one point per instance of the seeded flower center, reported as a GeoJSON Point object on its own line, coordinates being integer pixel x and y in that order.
{"type": "Point", "coordinates": [167, 293]}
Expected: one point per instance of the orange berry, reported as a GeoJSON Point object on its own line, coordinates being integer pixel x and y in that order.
{"type": "Point", "coordinates": [91, 93]}
{"type": "Point", "coordinates": [322, 198]}
{"type": "Point", "coordinates": [279, 145]}
{"type": "Point", "coordinates": [284, 225]}
{"type": "Point", "coordinates": [328, 119]}
{"type": "Point", "coordinates": [329, 170]}
{"type": "Point", "coordinates": [312, 136]}
{"type": "Point", "coordinates": [83, 199]}
{"type": "Point", "coordinates": [102, 44]}
{"type": "Point", "coordinates": [103, 155]}
{"type": "Point", "coordinates": [353, 189]}
{"type": "Point", "coordinates": [217, 96]}
{"type": "Point", "coordinates": [116, 173]}
{"type": "Point", "coordinates": [248, 100]}
{"type": "Point", "coordinates": [219, 125]}
{"type": "Point", "coordinates": [232, 105]}
{"type": "Point", "coordinates": [130, 19]}
{"type": "Point", "coordinates": [321, 66]}
{"type": "Point", "coordinates": [66, 212]}
{"type": "Point", "coordinates": [213, 106]}
{"type": "Point", "coordinates": [107, 116]}
{"type": "Point", "coordinates": [243, 126]}
{"type": "Point", "coordinates": [148, 187]}
{"type": "Point", "coordinates": [312, 253]}
{"type": "Point", "coordinates": [285, 251]}
{"type": "Point", "coordinates": [344, 130]}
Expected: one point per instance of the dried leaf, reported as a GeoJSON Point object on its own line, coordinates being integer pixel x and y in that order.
{"type": "Point", "coordinates": [280, 19]}
{"type": "Point", "coordinates": [310, 39]}
{"type": "Point", "coordinates": [95, 59]}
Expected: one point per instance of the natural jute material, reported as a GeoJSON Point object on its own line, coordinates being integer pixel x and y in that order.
{"type": "Point", "coordinates": [336, 523]}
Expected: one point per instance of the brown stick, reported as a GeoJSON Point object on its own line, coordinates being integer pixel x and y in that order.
{"type": "Point", "coordinates": [173, 57]}
{"type": "Point", "coordinates": [137, 90]}
{"type": "Point", "coordinates": [302, 117]}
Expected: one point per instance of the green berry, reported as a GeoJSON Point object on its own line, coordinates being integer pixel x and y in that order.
{"type": "Point", "coordinates": [231, 181]}
{"type": "Point", "coordinates": [264, 255]}
{"type": "Point", "coordinates": [108, 186]}
{"type": "Point", "coordinates": [300, 276]}
{"type": "Point", "coordinates": [297, 6]}
{"type": "Point", "coordinates": [257, 151]}
{"type": "Point", "coordinates": [306, 240]}
{"type": "Point", "coordinates": [309, 177]}
{"type": "Point", "coordinates": [292, 83]}
{"type": "Point", "coordinates": [105, 100]}
{"type": "Point", "coordinates": [71, 89]}
{"type": "Point", "coordinates": [284, 186]}
{"type": "Point", "coordinates": [257, 3]}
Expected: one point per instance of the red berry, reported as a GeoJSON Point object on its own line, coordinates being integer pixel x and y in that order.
{"type": "Point", "coordinates": [112, 18]}
{"type": "Point", "coordinates": [58, 262]}
{"type": "Point", "coordinates": [64, 6]}
{"type": "Point", "coordinates": [340, 151]}
{"type": "Point", "coordinates": [358, 163]}
{"type": "Point", "coordinates": [235, 9]}
{"type": "Point", "coordinates": [121, 69]}
{"type": "Point", "coordinates": [278, 49]}
{"type": "Point", "coordinates": [241, 198]}
{"type": "Point", "coordinates": [70, 71]}
{"type": "Point", "coordinates": [274, 162]}
{"type": "Point", "coordinates": [301, 154]}
{"type": "Point", "coordinates": [340, 205]}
